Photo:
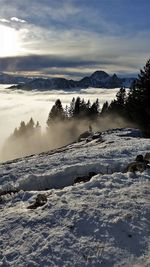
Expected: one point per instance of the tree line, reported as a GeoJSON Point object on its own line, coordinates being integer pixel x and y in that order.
{"type": "Point", "coordinates": [133, 106]}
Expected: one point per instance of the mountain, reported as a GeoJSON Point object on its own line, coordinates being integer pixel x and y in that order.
{"type": "Point", "coordinates": [12, 79]}
{"type": "Point", "coordinates": [99, 79]}
{"type": "Point", "coordinates": [102, 222]}
{"type": "Point", "coordinates": [127, 82]}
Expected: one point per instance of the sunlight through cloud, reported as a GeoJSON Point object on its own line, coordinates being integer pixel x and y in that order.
{"type": "Point", "coordinates": [10, 44]}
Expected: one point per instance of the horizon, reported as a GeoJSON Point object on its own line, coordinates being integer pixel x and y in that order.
{"type": "Point", "coordinates": [130, 76]}
{"type": "Point", "coordinates": [74, 38]}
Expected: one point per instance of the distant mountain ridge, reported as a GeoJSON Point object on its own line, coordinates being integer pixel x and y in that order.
{"type": "Point", "coordinates": [99, 79]}
{"type": "Point", "coordinates": [10, 79]}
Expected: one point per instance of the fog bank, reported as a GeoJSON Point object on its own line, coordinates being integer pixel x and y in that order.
{"type": "Point", "coordinates": [18, 105]}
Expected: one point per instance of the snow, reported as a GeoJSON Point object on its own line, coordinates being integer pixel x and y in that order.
{"type": "Point", "coordinates": [103, 222]}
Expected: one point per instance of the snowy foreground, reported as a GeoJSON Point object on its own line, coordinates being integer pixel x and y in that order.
{"type": "Point", "coordinates": [103, 222]}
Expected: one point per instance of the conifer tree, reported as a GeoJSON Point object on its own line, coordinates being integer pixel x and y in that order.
{"type": "Point", "coordinates": [71, 108]}
{"type": "Point", "coordinates": [30, 126]}
{"type": "Point", "coordinates": [104, 108]}
{"type": "Point", "coordinates": [94, 110]}
{"type": "Point", "coordinates": [138, 102]}
{"type": "Point", "coordinates": [121, 97]}
{"type": "Point", "coordinates": [22, 128]}
{"type": "Point", "coordinates": [57, 113]}
{"type": "Point", "coordinates": [83, 109]}
{"type": "Point", "coordinates": [77, 108]}
{"type": "Point", "coordinates": [38, 125]}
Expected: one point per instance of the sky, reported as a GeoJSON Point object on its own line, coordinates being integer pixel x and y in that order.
{"type": "Point", "coordinates": [73, 38]}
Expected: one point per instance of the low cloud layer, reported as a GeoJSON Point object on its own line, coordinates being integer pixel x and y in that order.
{"type": "Point", "coordinates": [19, 105]}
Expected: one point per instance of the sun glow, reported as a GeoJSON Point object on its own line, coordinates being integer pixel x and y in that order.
{"type": "Point", "coordinates": [10, 44]}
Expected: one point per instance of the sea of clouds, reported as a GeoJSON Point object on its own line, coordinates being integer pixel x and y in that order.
{"type": "Point", "coordinates": [18, 105]}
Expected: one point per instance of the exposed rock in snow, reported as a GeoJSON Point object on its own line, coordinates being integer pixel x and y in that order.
{"type": "Point", "coordinates": [40, 201]}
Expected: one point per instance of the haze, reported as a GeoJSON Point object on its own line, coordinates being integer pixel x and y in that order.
{"type": "Point", "coordinates": [21, 105]}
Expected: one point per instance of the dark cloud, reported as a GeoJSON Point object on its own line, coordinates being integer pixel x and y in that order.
{"type": "Point", "coordinates": [53, 65]}
{"type": "Point", "coordinates": [37, 63]}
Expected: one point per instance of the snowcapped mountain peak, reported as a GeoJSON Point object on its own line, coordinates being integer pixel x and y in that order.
{"type": "Point", "coordinates": [115, 76]}
{"type": "Point", "coordinates": [99, 79]}
{"type": "Point", "coordinates": [99, 75]}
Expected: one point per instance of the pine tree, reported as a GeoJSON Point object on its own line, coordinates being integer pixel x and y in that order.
{"type": "Point", "coordinates": [104, 108]}
{"type": "Point", "coordinates": [22, 128]}
{"type": "Point", "coordinates": [57, 113]}
{"type": "Point", "coordinates": [121, 97]}
{"type": "Point", "coordinates": [83, 109]}
{"type": "Point", "coordinates": [138, 102]}
{"type": "Point", "coordinates": [94, 110]}
{"type": "Point", "coordinates": [117, 106]}
{"type": "Point", "coordinates": [97, 104]}
{"type": "Point", "coordinates": [88, 105]}
{"type": "Point", "coordinates": [77, 108]}
{"type": "Point", "coordinates": [71, 108]}
{"type": "Point", "coordinates": [143, 81]}
{"type": "Point", "coordinates": [38, 125]}
{"type": "Point", "coordinates": [30, 124]}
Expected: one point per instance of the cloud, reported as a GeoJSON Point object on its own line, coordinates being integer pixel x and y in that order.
{"type": "Point", "coordinates": [60, 52]}
{"type": "Point", "coordinates": [70, 36]}
{"type": "Point", "coordinates": [56, 10]}
{"type": "Point", "coordinates": [54, 65]}
{"type": "Point", "coordinates": [13, 19]}
{"type": "Point", "coordinates": [4, 20]}
{"type": "Point", "coordinates": [17, 20]}
{"type": "Point", "coordinates": [39, 62]}
{"type": "Point", "coordinates": [22, 106]}
{"type": "Point", "coordinates": [40, 12]}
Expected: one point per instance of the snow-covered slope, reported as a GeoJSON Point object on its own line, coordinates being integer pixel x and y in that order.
{"type": "Point", "coordinates": [103, 222]}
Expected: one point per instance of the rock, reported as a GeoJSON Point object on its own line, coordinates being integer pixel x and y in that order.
{"type": "Point", "coordinates": [9, 191]}
{"type": "Point", "coordinates": [1, 200]}
{"type": "Point", "coordinates": [84, 178]}
{"type": "Point", "coordinates": [140, 164]}
{"type": "Point", "coordinates": [97, 135]}
{"type": "Point", "coordinates": [40, 200]}
{"type": "Point", "coordinates": [89, 136]}
{"type": "Point", "coordinates": [140, 158]}
{"type": "Point", "coordinates": [136, 166]}
{"type": "Point", "coordinates": [83, 136]}
{"type": "Point", "coordinates": [91, 174]}
{"type": "Point", "coordinates": [147, 157]}
{"type": "Point", "coordinates": [81, 179]}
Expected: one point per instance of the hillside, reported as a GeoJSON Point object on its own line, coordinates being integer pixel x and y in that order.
{"type": "Point", "coordinates": [103, 222]}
